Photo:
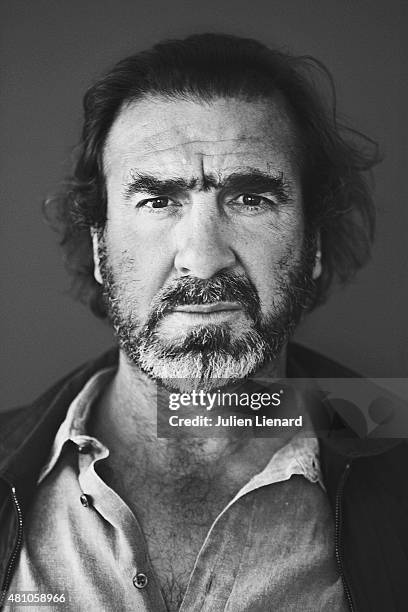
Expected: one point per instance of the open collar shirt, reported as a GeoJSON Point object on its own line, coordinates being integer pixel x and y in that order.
{"type": "Point", "coordinates": [270, 548]}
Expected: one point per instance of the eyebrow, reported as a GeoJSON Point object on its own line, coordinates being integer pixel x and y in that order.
{"type": "Point", "coordinates": [253, 181]}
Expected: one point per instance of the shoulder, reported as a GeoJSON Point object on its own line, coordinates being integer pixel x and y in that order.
{"type": "Point", "coordinates": [40, 419]}
{"type": "Point", "coordinates": [354, 416]}
{"type": "Point", "coordinates": [305, 362]}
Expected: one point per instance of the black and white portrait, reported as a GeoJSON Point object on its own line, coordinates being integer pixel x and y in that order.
{"type": "Point", "coordinates": [204, 287]}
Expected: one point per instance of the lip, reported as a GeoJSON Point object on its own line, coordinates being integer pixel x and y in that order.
{"type": "Point", "coordinates": [208, 308]}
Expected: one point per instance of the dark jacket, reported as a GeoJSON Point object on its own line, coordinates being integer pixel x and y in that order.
{"type": "Point", "coordinates": [366, 482]}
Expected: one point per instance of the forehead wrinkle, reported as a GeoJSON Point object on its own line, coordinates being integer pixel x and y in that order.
{"type": "Point", "coordinates": [175, 120]}
{"type": "Point", "coordinates": [180, 145]}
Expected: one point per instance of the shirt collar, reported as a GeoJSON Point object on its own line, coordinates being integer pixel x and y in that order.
{"type": "Point", "coordinates": [299, 456]}
{"type": "Point", "coordinates": [74, 426]}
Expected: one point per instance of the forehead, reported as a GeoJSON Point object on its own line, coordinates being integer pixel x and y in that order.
{"type": "Point", "coordinates": [162, 135]}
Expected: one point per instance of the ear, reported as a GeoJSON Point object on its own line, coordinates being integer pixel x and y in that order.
{"type": "Point", "coordinates": [317, 269]}
{"type": "Point", "coordinates": [95, 246]}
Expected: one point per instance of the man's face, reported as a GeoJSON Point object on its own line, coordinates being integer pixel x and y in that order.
{"type": "Point", "coordinates": [203, 257]}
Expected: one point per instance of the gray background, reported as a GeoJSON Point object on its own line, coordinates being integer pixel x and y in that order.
{"type": "Point", "coordinates": [51, 51]}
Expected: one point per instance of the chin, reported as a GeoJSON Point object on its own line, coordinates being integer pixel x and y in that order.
{"type": "Point", "coordinates": [207, 358]}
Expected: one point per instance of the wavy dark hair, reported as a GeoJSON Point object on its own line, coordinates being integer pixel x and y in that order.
{"type": "Point", "coordinates": [334, 160]}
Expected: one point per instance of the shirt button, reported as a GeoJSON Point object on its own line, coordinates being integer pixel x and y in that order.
{"type": "Point", "coordinates": [140, 580]}
{"type": "Point", "coordinates": [85, 500]}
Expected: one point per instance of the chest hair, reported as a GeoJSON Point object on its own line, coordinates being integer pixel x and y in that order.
{"type": "Point", "coordinates": [175, 512]}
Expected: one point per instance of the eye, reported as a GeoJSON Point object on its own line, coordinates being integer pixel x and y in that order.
{"type": "Point", "coordinates": [252, 200]}
{"type": "Point", "coordinates": [155, 203]}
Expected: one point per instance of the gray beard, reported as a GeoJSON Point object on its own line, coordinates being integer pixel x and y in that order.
{"type": "Point", "coordinates": [210, 356]}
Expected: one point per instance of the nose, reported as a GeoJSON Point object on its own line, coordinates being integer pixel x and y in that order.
{"type": "Point", "coordinates": [203, 247]}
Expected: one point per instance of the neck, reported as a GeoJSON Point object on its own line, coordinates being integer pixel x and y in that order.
{"type": "Point", "coordinates": [126, 420]}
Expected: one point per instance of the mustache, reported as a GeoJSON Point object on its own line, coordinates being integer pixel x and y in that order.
{"type": "Point", "coordinates": [188, 290]}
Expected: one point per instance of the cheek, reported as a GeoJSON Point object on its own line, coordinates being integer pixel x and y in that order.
{"type": "Point", "coordinates": [141, 261]}
{"type": "Point", "coordinates": [269, 256]}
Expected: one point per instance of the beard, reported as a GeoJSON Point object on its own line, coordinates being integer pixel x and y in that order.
{"type": "Point", "coordinates": [208, 356]}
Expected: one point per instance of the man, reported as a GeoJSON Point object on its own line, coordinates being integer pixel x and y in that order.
{"type": "Point", "coordinates": [213, 202]}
